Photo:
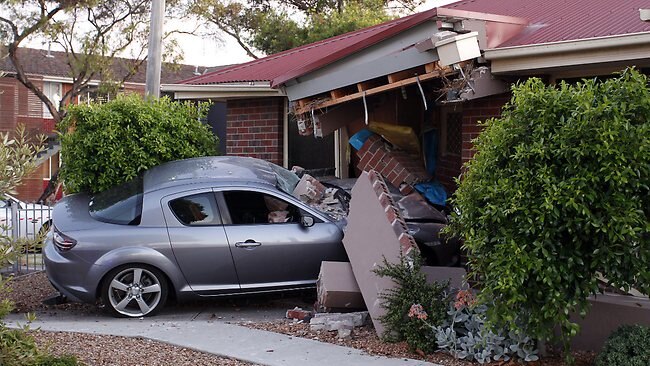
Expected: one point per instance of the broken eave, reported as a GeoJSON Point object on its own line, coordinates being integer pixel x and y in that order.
{"type": "Point", "coordinates": [365, 89]}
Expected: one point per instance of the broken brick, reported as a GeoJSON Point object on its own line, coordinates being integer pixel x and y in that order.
{"type": "Point", "coordinates": [298, 314]}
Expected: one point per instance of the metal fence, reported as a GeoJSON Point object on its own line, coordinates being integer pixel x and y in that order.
{"type": "Point", "coordinates": [28, 224]}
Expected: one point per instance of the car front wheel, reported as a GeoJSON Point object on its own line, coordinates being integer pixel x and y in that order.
{"type": "Point", "coordinates": [134, 290]}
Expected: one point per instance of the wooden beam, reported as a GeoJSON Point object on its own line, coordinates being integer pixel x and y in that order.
{"type": "Point", "coordinates": [401, 75]}
{"type": "Point", "coordinates": [431, 67]}
{"type": "Point", "coordinates": [338, 93]}
{"type": "Point", "coordinates": [376, 90]}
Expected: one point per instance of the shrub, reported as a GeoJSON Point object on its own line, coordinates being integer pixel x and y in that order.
{"type": "Point", "coordinates": [629, 345]}
{"type": "Point", "coordinates": [557, 192]}
{"type": "Point", "coordinates": [104, 145]}
{"type": "Point", "coordinates": [465, 335]}
{"type": "Point", "coordinates": [403, 320]}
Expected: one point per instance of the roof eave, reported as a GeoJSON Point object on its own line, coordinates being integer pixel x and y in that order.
{"type": "Point", "coordinates": [553, 54]}
{"type": "Point", "coordinates": [216, 91]}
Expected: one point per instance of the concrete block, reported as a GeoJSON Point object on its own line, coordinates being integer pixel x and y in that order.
{"type": "Point", "coordinates": [368, 239]}
{"type": "Point", "coordinates": [344, 333]}
{"type": "Point", "coordinates": [607, 313]}
{"type": "Point", "coordinates": [340, 274]}
{"type": "Point", "coordinates": [356, 319]}
{"type": "Point", "coordinates": [336, 287]}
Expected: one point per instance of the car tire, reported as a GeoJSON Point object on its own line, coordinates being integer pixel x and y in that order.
{"type": "Point", "coordinates": [134, 290]}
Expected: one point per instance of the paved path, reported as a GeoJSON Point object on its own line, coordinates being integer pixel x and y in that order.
{"type": "Point", "coordinates": [204, 332]}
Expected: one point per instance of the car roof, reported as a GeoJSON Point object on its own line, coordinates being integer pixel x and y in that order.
{"type": "Point", "coordinates": [210, 168]}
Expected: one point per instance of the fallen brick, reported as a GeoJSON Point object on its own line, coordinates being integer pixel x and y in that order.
{"type": "Point", "coordinates": [309, 189]}
{"type": "Point", "coordinates": [298, 314]}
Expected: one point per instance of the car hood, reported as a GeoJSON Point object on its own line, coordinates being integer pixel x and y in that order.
{"type": "Point", "coordinates": [71, 214]}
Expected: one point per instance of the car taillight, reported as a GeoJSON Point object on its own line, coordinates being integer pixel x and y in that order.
{"type": "Point", "coordinates": [62, 241]}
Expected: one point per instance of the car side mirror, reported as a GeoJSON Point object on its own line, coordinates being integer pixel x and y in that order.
{"type": "Point", "coordinates": [307, 221]}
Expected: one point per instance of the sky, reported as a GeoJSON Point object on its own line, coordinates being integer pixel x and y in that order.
{"type": "Point", "coordinates": [210, 52]}
{"type": "Point", "coordinates": [198, 51]}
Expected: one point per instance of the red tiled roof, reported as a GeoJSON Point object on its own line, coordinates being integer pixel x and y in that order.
{"type": "Point", "coordinates": [549, 21]}
{"type": "Point", "coordinates": [36, 62]}
{"type": "Point", "coordinates": [286, 65]}
{"type": "Point", "coordinates": [563, 20]}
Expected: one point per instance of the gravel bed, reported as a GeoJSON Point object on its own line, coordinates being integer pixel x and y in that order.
{"type": "Point", "coordinates": [102, 350]}
{"type": "Point", "coordinates": [365, 338]}
{"type": "Point", "coordinates": [28, 292]}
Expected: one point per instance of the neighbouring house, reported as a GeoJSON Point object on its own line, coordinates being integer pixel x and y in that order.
{"type": "Point", "coordinates": [49, 70]}
{"type": "Point", "coordinates": [437, 73]}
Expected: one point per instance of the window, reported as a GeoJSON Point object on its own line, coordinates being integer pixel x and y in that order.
{"type": "Point", "coordinates": [53, 91]}
{"type": "Point", "coordinates": [248, 207]}
{"type": "Point", "coordinates": [196, 210]}
{"type": "Point", "coordinates": [120, 205]}
{"type": "Point", "coordinates": [454, 133]}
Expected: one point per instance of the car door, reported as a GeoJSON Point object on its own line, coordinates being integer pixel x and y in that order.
{"type": "Point", "coordinates": [270, 247]}
{"type": "Point", "coordinates": [199, 242]}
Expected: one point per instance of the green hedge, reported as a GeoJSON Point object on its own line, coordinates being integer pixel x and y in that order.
{"type": "Point", "coordinates": [107, 144]}
{"type": "Point", "coordinates": [629, 345]}
{"type": "Point", "coordinates": [556, 194]}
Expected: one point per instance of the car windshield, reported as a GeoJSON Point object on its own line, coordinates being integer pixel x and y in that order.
{"type": "Point", "coordinates": [286, 179]}
{"type": "Point", "coordinates": [120, 205]}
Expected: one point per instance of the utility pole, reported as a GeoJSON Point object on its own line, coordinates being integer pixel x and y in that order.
{"type": "Point", "coordinates": [154, 56]}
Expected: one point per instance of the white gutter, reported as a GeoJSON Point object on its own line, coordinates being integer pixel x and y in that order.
{"type": "Point", "coordinates": [598, 43]}
{"type": "Point", "coordinates": [189, 91]}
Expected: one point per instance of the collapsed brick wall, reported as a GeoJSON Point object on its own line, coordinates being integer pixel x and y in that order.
{"type": "Point", "coordinates": [393, 215]}
{"type": "Point", "coordinates": [254, 128]}
{"type": "Point", "coordinates": [399, 168]}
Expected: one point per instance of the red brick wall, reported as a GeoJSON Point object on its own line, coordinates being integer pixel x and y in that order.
{"type": "Point", "coordinates": [254, 128]}
{"type": "Point", "coordinates": [449, 166]}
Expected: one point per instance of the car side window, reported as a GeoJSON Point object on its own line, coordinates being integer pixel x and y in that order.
{"type": "Point", "coordinates": [196, 210]}
{"type": "Point", "coordinates": [248, 207]}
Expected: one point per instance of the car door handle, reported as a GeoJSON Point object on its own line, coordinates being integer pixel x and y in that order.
{"type": "Point", "coordinates": [247, 244]}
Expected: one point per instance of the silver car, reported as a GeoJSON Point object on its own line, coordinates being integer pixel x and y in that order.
{"type": "Point", "coordinates": [197, 227]}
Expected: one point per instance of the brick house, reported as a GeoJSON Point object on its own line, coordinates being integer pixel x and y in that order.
{"type": "Point", "coordinates": [438, 72]}
{"type": "Point", "coordinates": [50, 72]}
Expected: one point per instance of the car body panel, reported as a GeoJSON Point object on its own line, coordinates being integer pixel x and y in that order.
{"type": "Point", "coordinates": [197, 260]}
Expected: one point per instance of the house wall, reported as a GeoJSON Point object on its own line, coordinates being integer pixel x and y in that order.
{"type": "Point", "coordinates": [255, 128]}
{"type": "Point", "coordinates": [18, 105]}
{"type": "Point", "coordinates": [34, 184]}
{"type": "Point", "coordinates": [449, 165]}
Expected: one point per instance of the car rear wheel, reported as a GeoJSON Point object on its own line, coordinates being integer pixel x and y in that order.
{"type": "Point", "coordinates": [134, 290]}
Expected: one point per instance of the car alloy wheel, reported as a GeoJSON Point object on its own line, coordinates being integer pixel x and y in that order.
{"type": "Point", "coordinates": [134, 291]}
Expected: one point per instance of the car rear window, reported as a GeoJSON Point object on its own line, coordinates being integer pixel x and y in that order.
{"type": "Point", "coordinates": [120, 205]}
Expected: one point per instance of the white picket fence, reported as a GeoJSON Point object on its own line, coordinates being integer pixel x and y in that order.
{"type": "Point", "coordinates": [20, 221]}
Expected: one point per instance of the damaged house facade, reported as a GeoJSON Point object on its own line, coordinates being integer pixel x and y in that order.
{"type": "Point", "coordinates": [397, 105]}
{"type": "Point", "coordinates": [422, 82]}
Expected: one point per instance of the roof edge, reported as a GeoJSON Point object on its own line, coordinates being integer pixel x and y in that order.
{"type": "Point", "coordinates": [466, 14]}
{"type": "Point", "coordinates": [416, 19]}
{"type": "Point", "coordinates": [575, 45]}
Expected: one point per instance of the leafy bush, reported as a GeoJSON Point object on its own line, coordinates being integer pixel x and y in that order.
{"type": "Point", "coordinates": [466, 336]}
{"type": "Point", "coordinates": [104, 145]}
{"type": "Point", "coordinates": [402, 320]}
{"type": "Point", "coordinates": [629, 345]}
{"type": "Point", "coordinates": [17, 348]}
{"type": "Point", "coordinates": [558, 192]}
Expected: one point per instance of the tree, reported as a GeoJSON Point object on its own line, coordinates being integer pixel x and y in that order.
{"type": "Point", "coordinates": [92, 33]}
{"type": "Point", "coordinates": [558, 193]}
{"type": "Point", "coordinates": [105, 145]}
{"type": "Point", "coordinates": [270, 27]}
